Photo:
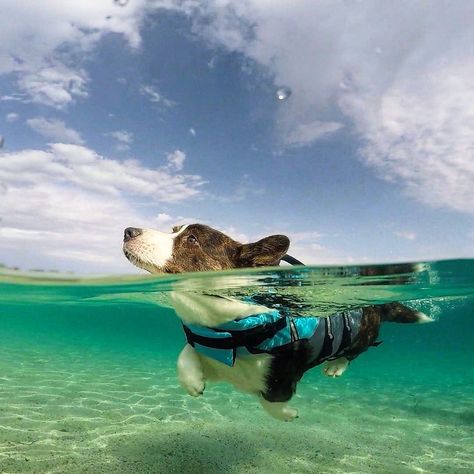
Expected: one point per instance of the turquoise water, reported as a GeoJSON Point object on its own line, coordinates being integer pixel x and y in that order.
{"type": "Point", "coordinates": [88, 384]}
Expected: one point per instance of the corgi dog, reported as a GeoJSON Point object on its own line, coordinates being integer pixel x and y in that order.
{"type": "Point", "coordinates": [259, 350]}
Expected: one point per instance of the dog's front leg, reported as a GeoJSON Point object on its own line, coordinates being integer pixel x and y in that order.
{"type": "Point", "coordinates": [279, 410]}
{"type": "Point", "coordinates": [190, 372]}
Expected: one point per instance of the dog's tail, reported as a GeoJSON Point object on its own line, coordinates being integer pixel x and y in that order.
{"type": "Point", "coordinates": [399, 313]}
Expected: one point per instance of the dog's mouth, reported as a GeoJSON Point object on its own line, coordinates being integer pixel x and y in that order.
{"type": "Point", "coordinates": [133, 258]}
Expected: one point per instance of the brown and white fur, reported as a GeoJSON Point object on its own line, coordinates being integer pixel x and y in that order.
{"type": "Point", "coordinates": [198, 247]}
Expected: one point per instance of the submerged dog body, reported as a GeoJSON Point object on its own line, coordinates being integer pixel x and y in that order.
{"type": "Point", "coordinates": [272, 375]}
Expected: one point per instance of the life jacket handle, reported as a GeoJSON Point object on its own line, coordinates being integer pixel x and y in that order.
{"type": "Point", "coordinates": [291, 260]}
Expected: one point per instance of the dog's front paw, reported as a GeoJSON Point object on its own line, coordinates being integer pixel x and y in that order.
{"type": "Point", "coordinates": [336, 367]}
{"type": "Point", "coordinates": [193, 385]}
{"type": "Point", "coordinates": [190, 373]}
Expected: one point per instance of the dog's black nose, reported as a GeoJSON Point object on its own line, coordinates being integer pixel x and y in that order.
{"type": "Point", "coordinates": [130, 233]}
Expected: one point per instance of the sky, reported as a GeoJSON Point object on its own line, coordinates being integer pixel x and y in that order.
{"type": "Point", "coordinates": [153, 113]}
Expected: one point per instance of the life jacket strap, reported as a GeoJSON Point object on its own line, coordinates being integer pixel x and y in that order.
{"type": "Point", "coordinates": [346, 338]}
{"type": "Point", "coordinates": [327, 349]}
{"type": "Point", "coordinates": [244, 338]}
{"type": "Point", "coordinates": [291, 260]}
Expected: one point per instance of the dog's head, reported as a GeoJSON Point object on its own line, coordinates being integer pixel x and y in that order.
{"type": "Point", "coordinates": [197, 247]}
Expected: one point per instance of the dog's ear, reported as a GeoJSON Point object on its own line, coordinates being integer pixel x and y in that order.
{"type": "Point", "coordinates": [265, 252]}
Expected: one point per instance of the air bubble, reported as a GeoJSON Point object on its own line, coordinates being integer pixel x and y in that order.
{"type": "Point", "coordinates": [283, 93]}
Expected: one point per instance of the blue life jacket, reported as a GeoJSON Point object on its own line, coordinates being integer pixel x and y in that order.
{"type": "Point", "coordinates": [256, 334]}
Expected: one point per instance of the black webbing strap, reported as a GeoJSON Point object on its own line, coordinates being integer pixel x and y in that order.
{"type": "Point", "coordinates": [291, 260]}
{"type": "Point", "coordinates": [246, 337]}
{"type": "Point", "coordinates": [193, 338]}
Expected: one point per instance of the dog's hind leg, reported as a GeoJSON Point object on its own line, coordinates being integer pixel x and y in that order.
{"type": "Point", "coordinates": [336, 367]}
{"type": "Point", "coordinates": [279, 410]}
{"type": "Point", "coordinates": [190, 372]}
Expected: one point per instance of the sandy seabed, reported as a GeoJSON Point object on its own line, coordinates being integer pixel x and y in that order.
{"type": "Point", "coordinates": [78, 411]}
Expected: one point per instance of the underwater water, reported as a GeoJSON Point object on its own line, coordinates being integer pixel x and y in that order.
{"type": "Point", "coordinates": [88, 383]}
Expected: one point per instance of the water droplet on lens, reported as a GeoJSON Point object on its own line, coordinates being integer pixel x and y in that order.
{"type": "Point", "coordinates": [283, 93]}
{"type": "Point", "coordinates": [121, 3]}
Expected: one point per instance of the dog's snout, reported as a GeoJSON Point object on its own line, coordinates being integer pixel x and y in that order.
{"type": "Point", "coordinates": [130, 233]}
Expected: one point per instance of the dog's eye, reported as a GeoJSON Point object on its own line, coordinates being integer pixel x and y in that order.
{"type": "Point", "coordinates": [192, 240]}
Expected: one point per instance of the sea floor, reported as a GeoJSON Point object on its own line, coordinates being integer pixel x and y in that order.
{"type": "Point", "coordinates": [63, 409]}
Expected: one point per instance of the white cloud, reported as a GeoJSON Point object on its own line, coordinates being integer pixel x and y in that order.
{"type": "Point", "coordinates": [154, 96]}
{"type": "Point", "coordinates": [56, 86]}
{"type": "Point", "coordinates": [308, 133]}
{"type": "Point", "coordinates": [192, 131]}
{"type": "Point", "coordinates": [122, 136]}
{"type": "Point", "coordinates": [212, 62]}
{"type": "Point", "coordinates": [124, 139]}
{"type": "Point", "coordinates": [419, 135]}
{"type": "Point", "coordinates": [44, 43]}
{"type": "Point", "coordinates": [245, 188]}
{"type": "Point", "coordinates": [406, 234]}
{"type": "Point", "coordinates": [68, 205]}
{"type": "Point", "coordinates": [12, 117]}
{"type": "Point", "coordinates": [84, 237]}
{"type": "Point", "coordinates": [151, 93]}
{"type": "Point", "coordinates": [164, 221]}
{"type": "Point", "coordinates": [75, 165]}
{"type": "Point", "coordinates": [55, 130]}
{"type": "Point", "coordinates": [399, 72]}
{"type": "Point", "coordinates": [65, 227]}
{"type": "Point", "coordinates": [235, 234]}
{"type": "Point", "coordinates": [176, 160]}
{"type": "Point", "coordinates": [305, 246]}
{"type": "Point", "coordinates": [12, 97]}
{"type": "Point", "coordinates": [307, 237]}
